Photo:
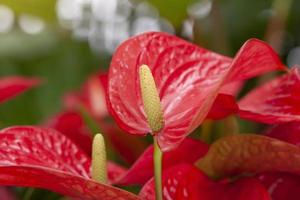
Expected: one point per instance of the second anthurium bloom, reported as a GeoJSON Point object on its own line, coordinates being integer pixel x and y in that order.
{"type": "Point", "coordinates": [187, 81]}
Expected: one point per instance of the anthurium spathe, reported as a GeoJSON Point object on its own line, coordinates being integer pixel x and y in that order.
{"type": "Point", "coordinates": [44, 158]}
{"type": "Point", "coordinates": [276, 101]}
{"type": "Point", "coordinates": [13, 85]}
{"type": "Point", "coordinates": [92, 96]}
{"type": "Point", "coordinates": [236, 167]}
{"type": "Point", "coordinates": [89, 104]}
{"type": "Point", "coordinates": [283, 185]}
{"type": "Point", "coordinates": [186, 182]}
{"type": "Point", "coordinates": [187, 78]}
{"type": "Point", "coordinates": [71, 125]}
{"type": "Point", "coordinates": [189, 151]}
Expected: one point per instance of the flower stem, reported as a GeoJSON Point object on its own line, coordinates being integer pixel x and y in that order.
{"type": "Point", "coordinates": [28, 193]}
{"type": "Point", "coordinates": [158, 170]}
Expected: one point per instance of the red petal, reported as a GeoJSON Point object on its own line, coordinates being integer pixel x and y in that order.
{"type": "Point", "coordinates": [232, 88]}
{"type": "Point", "coordinates": [254, 58]}
{"type": "Point", "coordinates": [186, 182]}
{"type": "Point", "coordinates": [36, 157]}
{"type": "Point", "coordinates": [94, 93]}
{"type": "Point", "coordinates": [223, 106]}
{"type": "Point", "coordinates": [277, 101]}
{"type": "Point", "coordinates": [281, 186]}
{"type": "Point", "coordinates": [188, 79]}
{"type": "Point", "coordinates": [6, 194]}
{"type": "Point", "coordinates": [289, 132]}
{"type": "Point", "coordinates": [61, 182]}
{"type": "Point", "coordinates": [129, 147]}
{"type": "Point", "coordinates": [92, 96]}
{"type": "Point", "coordinates": [12, 86]}
{"type": "Point", "coordinates": [72, 125]}
{"type": "Point", "coordinates": [142, 170]}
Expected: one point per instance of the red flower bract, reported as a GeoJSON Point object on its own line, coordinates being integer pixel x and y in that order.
{"type": "Point", "coordinates": [188, 79]}
{"type": "Point", "coordinates": [142, 170]}
{"type": "Point", "coordinates": [283, 186]}
{"type": "Point", "coordinates": [185, 182]}
{"type": "Point", "coordinates": [44, 158]}
{"type": "Point", "coordinates": [11, 86]}
{"type": "Point", "coordinates": [272, 164]}
{"type": "Point", "coordinates": [277, 101]}
{"type": "Point", "coordinates": [90, 104]}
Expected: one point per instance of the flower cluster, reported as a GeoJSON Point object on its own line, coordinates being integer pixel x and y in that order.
{"type": "Point", "coordinates": [165, 86]}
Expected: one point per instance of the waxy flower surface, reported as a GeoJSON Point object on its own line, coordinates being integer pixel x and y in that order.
{"type": "Point", "coordinates": [90, 103]}
{"type": "Point", "coordinates": [277, 101]}
{"type": "Point", "coordinates": [188, 79]}
{"type": "Point", "coordinates": [248, 167]}
{"type": "Point", "coordinates": [44, 158]}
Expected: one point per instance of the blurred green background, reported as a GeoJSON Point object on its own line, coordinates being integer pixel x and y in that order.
{"type": "Point", "coordinates": [64, 41]}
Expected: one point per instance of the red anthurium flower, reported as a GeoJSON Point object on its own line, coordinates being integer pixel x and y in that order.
{"type": "Point", "coordinates": [11, 86]}
{"type": "Point", "coordinates": [232, 88]}
{"type": "Point", "coordinates": [141, 171]}
{"type": "Point", "coordinates": [92, 98]}
{"type": "Point", "coordinates": [223, 106]}
{"type": "Point", "coordinates": [73, 126]}
{"type": "Point", "coordinates": [289, 132]}
{"type": "Point", "coordinates": [44, 158]}
{"type": "Point", "coordinates": [276, 101]}
{"type": "Point", "coordinates": [229, 157]}
{"type": "Point", "coordinates": [188, 79]}
{"type": "Point", "coordinates": [283, 185]}
{"type": "Point", "coordinates": [187, 182]}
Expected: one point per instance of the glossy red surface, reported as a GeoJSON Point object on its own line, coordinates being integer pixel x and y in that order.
{"type": "Point", "coordinates": [44, 158]}
{"type": "Point", "coordinates": [11, 86]}
{"type": "Point", "coordinates": [282, 186]}
{"type": "Point", "coordinates": [223, 106]}
{"type": "Point", "coordinates": [72, 125]}
{"type": "Point", "coordinates": [141, 171]}
{"type": "Point", "coordinates": [289, 132]}
{"type": "Point", "coordinates": [276, 101]}
{"type": "Point", "coordinates": [188, 79]}
{"type": "Point", "coordinates": [186, 182]}
{"type": "Point", "coordinates": [92, 98]}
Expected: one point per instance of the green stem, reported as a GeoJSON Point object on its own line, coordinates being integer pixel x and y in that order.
{"type": "Point", "coordinates": [206, 129]}
{"type": "Point", "coordinates": [28, 193]}
{"type": "Point", "coordinates": [158, 170]}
